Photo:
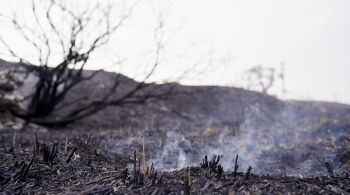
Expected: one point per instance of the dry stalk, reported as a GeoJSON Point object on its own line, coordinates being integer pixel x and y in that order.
{"type": "Point", "coordinates": [143, 158]}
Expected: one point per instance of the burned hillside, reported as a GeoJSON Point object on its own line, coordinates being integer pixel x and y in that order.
{"type": "Point", "coordinates": [282, 146]}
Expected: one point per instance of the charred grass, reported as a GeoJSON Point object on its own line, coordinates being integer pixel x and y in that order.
{"type": "Point", "coordinates": [72, 164]}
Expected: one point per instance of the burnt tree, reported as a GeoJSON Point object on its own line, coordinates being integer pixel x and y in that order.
{"type": "Point", "coordinates": [57, 80]}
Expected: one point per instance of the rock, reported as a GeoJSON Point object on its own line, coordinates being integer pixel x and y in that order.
{"type": "Point", "coordinates": [15, 84]}
{"type": "Point", "coordinates": [11, 102]}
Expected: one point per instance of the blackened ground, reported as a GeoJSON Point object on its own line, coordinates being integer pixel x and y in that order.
{"type": "Point", "coordinates": [93, 170]}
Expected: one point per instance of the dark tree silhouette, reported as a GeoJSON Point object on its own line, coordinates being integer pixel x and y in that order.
{"type": "Point", "coordinates": [265, 78]}
{"type": "Point", "coordinates": [262, 77]}
{"type": "Point", "coordinates": [56, 81]}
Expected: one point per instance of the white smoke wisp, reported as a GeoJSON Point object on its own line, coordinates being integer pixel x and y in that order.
{"type": "Point", "coordinates": [281, 143]}
{"type": "Point", "coordinates": [172, 156]}
{"type": "Point", "coordinates": [278, 143]}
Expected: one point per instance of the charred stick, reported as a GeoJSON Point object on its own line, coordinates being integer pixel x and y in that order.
{"type": "Point", "coordinates": [125, 175]}
{"type": "Point", "coordinates": [49, 155]}
{"type": "Point", "coordinates": [66, 145]}
{"type": "Point", "coordinates": [37, 144]}
{"type": "Point", "coordinates": [154, 179]}
{"type": "Point", "coordinates": [236, 166]}
{"type": "Point", "coordinates": [139, 172]}
{"type": "Point", "coordinates": [247, 173]}
{"type": "Point", "coordinates": [217, 160]}
{"type": "Point", "coordinates": [54, 152]}
{"type": "Point", "coordinates": [135, 174]}
{"type": "Point", "coordinates": [220, 172]}
{"type": "Point", "coordinates": [13, 142]}
{"type": "Point", "coordinates": [70, 155]}
{"type": "Point", "coordinates": [212, 164]}
{"type": "Point", "coordinates": [20, 172]}
{"type": "Point", "coordinates": [189, 176]}
{"type": "Point", "coordinates": [87, 141]}
{"type": "Point", "coordinates": [46, 153]}
{"type": "Point", "coordinates": [212, 161]}
{"type": "Point", "coordinates": [37, 178]}
{"type": "Point", "coordinates": [205, 163]}
{"type": "Point", "coordinates": [329, 169]}
{"type": "Point", "coordinates": [24, 175]}
{"type": "Point", "coordinates": [152, 170]}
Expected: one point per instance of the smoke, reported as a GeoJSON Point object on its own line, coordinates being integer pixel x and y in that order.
{"type": "Point", "coordinates": [175, 152]}
{"type": "Point", "coordinates": [282, 143]}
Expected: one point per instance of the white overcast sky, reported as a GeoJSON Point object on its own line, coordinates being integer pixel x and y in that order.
{"type": "Point", "coordinates": [311, 38]}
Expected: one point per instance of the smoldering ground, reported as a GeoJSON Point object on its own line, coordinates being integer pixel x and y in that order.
{"type": "Point", "coordinates": [289, 142]}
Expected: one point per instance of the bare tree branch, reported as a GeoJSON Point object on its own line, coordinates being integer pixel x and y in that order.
{"type": "Point", "coordinates": [49, 104]}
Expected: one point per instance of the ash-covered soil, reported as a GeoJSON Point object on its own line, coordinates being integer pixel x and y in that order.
{"type": "Point", "coordinates": [304, 153]}
{"type": "Point", "coordinates": [44, 163]}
